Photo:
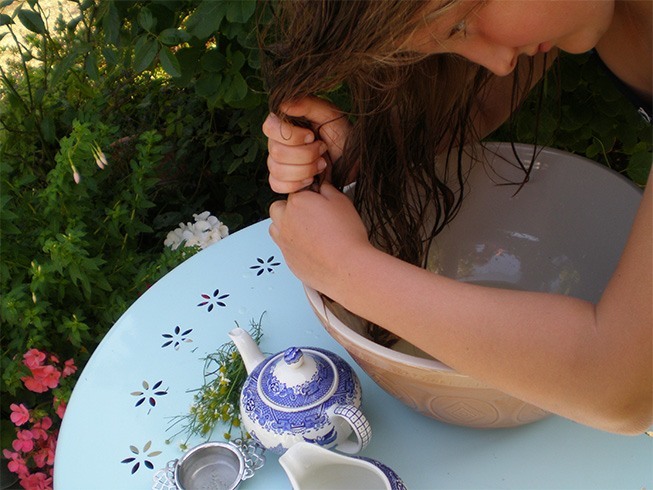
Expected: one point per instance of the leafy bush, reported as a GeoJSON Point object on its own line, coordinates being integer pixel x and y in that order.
{"type": "Point", "coordinates": [584, 113]}
{"type": "Point", "coordinates": [111, 133]}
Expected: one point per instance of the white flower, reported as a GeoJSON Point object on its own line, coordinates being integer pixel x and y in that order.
{"type": "Point", "coordinates": [98, 155]}
{"type": "Point", "coordinates": [76, 176]}
{"type": "Point", "coordinates": [205, 231]}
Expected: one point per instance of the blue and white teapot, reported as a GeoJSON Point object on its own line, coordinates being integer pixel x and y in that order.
{"type": "Point", "coordinates": [304, 394]}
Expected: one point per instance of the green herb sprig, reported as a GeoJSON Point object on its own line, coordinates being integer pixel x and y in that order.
{"type": "Point", "coordinates": [217, 400]}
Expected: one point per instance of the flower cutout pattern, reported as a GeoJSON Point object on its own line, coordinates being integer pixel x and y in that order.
{"type": "Point", "coordinates": [176, 337]}
{"type": "Point", "coordinates": [265, 265]}
{"type": "Point", "coordinates": [141, 456]}
{"type": "Point", "coordinates": [149, 394]}
{"type": "Point", "coordinates": [214, 300]}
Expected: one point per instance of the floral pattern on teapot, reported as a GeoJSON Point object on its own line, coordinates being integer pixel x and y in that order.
{"type": "Point", "coordinates": [303, 394]}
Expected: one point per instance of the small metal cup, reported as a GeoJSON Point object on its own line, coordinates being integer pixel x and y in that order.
{"type": "Point", "coordinates": [214, 465]}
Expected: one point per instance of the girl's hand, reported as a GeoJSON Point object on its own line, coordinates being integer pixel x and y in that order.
{"type": "Point", "coordinates": [295, 155]}
{"type": "Point", "coordinates": [316, 231]}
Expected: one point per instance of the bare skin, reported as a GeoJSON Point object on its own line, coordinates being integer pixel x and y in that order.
{"type": "Point", "coordinates": [592, 363]}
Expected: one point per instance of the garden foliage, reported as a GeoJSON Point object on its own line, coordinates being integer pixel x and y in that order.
{"type": "Point", "coordinates": [124, 118]}
{"type": "Point", "coordinates": [581, 111]}
{"type": "Point", "coordinates": [118, 121]}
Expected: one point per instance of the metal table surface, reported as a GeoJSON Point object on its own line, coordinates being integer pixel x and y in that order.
{"type": "Point", "coordinates": [117, 423]}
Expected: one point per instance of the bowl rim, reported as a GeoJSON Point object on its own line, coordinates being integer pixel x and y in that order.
{"type": "Point", "coordinates": [493, 148]}
{"type": "Point", "coordinates": [355, 338]}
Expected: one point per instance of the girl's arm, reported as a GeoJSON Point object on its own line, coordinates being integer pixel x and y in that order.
{"type": "Point", "coordinates": [590, 363]}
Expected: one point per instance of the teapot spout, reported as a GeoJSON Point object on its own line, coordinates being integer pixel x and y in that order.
{"type": "Point", "coordinates": [247, 348]}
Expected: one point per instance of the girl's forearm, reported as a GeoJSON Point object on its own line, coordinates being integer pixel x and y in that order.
{"type": "Point", "coordinates": [542, 348]}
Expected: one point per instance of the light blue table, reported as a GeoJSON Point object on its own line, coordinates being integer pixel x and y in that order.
{"type": "Point", "coordinates": [111, 441]}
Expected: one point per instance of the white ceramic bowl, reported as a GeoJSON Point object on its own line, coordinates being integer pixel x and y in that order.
{"type": "Point", "coordinates": [563, 232]}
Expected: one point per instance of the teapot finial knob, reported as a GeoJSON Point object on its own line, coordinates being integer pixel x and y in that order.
{"type": "Point", "coordinates": [293, 357]}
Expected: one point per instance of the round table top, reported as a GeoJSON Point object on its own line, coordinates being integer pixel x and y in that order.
{"type": "Point", "coordinates": [115, 432]}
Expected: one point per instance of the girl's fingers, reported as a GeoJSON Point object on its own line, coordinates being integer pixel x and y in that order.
{"type": "Point", "coordinates": [293, 172]}
{"type": "Point", "coordinates": [276, 209]}
{"type": "Point", "coordinates": [301, 154]}
{"type": "Point", "coordinates": [295, 155]}
{"type": "Point", "coordinates": [326, 118]}
{"type": "Point", "coordinates": [284, 132]}
{"type": "Point", "coordinates": [283, 187]}
{"type": "Point", "coordinates": [314, 109]}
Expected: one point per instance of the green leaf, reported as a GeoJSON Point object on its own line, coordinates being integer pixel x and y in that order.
{"type": "Point", "coordinates": [5, 20]}
{"type": "Point", "coordinates": [31, 20]}
{"type": "Point", "coordinates": [144, 53]}
{"type": "Point", "coordinates": [169, 62]}
{"type": "Point", "coordinates": [639, 166]}
{"type": "Point", "coordinates": [63, 67]}
{"type": "Point", "coordinates": [187, 58]}
{"type": "Point", "coordinates": [237, 60]}
{"type": "Point", "coordinates": [91, 67]}
{"type": "Point", "coordinates": [47, 129]}
{"type": "Point", "coordinates": [146, 19]}
{"type": "Point", "coordinates": [240, 10]}
{"type": "Point", "coordinates": [208, 84]}
{"type": "Point", "coordinates": [213, 61]}
{"type": "Point", "coordinates": [110, 55]}
{"type": "Point", "coordinates": [72, 23]}
{"type": "Point", "coordinates": [206, 19]}
{"type": "Point", "coordinates": [236, 90]}
{"type": "Point", "coordinates": [111, 23]}
{"type": "Point", "coordinates": [169, 37]}
{"type": "Point", "coordinates": [237, 162]}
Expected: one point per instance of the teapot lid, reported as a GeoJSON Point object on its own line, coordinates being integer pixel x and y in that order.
{"type": "Point", "coordinates": [297, 379]}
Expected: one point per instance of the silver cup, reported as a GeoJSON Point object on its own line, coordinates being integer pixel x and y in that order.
{"type": "Point", "coordinates": [212, 465]}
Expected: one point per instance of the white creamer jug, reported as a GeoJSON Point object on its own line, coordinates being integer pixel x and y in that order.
{"type": "Point", "coordinates": [312, 467]}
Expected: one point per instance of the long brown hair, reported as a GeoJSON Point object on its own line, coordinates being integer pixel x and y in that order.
{"type": "Point", "coordinates": [406, 108]}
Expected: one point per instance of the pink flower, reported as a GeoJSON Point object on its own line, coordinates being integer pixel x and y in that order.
{"type": "Point", "coordinates": [33, 358]}
{"type": "Point", "coordinates": [19, 414]}
{"type": "Point", "coordinates": [24, 441]}
{"type": "Point", "coordinates": [54, 359]}
{"type": "Point", "coordinates": [17, 465]}
{"type": "Point", "coordinates": [36, 481]}
{"type": "Point", "coordinates": [45, 423]}
{"type": "Point", "coordinates": [9, 455]}
{"type": "Point", "coordinates": [60, 407]}
{"type": "Point", "coordinates": [42, 379]}
{"type": "Point", "coordinates": [51, 446]}
{"type": "Point", "coordinates": [39, 429]}
{"type": "Point", "coordinates": [69, 367]}
{"type": "Point", "coordinates": [33, 384]}
{"type": "Point", "coordinates": [44, 456]}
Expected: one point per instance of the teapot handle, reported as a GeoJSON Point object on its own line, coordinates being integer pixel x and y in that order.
{"type": "Point", "coordinates": [360, 427]}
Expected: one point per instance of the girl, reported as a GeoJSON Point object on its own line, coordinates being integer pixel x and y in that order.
{"type": "Point", "coordinates": [425, 78]}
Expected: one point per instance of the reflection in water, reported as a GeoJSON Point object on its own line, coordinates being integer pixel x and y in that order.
{"type": "Point", "coordinates": [516, 261]}
{"type": "Point", "coordinates": [489, 264]}
{"type": "Point", "coordinates": [523, 236]}
{"type": "Point", "coordinates": [568, 276]}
